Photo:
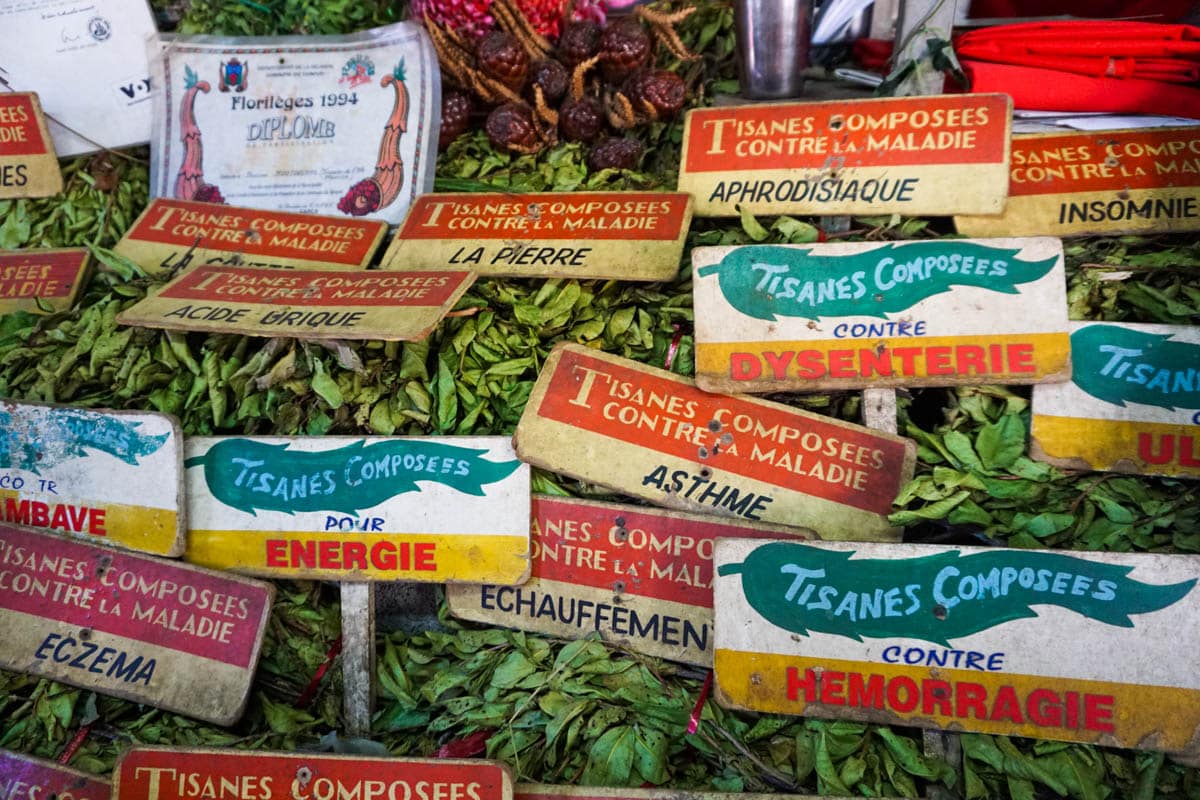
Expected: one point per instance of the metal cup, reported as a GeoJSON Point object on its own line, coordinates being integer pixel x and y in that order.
{"type": "Point", "coordinates": [772, 41]}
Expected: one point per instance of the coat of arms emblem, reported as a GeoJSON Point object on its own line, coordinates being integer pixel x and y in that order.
{"type": "Point", "coordinates": [233, 75]}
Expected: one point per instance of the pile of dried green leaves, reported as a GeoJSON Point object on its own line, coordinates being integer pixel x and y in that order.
{"type": "Point", "coordinates": [581, 712]}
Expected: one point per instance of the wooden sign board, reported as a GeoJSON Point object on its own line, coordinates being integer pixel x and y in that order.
{"type": "Point", "coordinates": [773, 318]}
{"type": "Point", "coordinates": [160, 773]}
{"type": "Point", "coordinates": [28, 165]}
{"type": "Point", "coordinates": [117, 475]}
{"type": "Point", "coordinates": [339, 125]}
{"type": "Point", "coordinates": [324, 304]}
{"type": "Point", "coordinates": [175, 234]}
{"type": "Point", "coordinates": [651, 434]}
{"type": "Point", "coordinates": [430, 509]}
{"type": "Point", "coordinates": [36, 280]}
{"type": "Point", "coordinates": [24, 777]}
{"type": "Point", "coordinates": [640, 577]}
{"type": "Point", "coordinates": [633, 236]}
{"type": "Point", "coordinates": [1085, 182]}
{"type": "Point", "coordinates": [145, 629]}
{"type": "Point", "coordinates": [1133, 404]}
{"type": "Point", "coordinates": [943, 154]}
{"type": "Point", "coordinates": [1080, 647]}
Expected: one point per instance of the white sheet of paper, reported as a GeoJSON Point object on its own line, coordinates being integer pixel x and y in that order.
{"type": "Point", "coordinates": [86, 59]}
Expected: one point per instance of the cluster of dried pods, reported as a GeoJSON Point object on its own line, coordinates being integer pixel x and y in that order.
{"type": "Point", "coordinates": [598, 82]}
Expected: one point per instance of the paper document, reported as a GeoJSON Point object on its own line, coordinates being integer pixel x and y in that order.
{"type": "Point", "coordinates": [86, 59]}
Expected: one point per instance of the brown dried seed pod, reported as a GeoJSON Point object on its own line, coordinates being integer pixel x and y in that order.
{"type": "Point", "coordinates": [553, 78]}
{"type": "Point", "coordinates": [511, 127]}
{"type": "Point", "coordinates": [581, 120]}
{"type": "Point", "coordinates": [657, 93]}
{"type": "Point", "coordinates": [456, 116]}
{"type": "Point", "coordinates": [501, 56]}
{"type": "Point", "coordinates": [580, 40]}
{"type": "Point", "coordinates": [624, 48]}
{"type": "Point", "coordinates": [615, 154]}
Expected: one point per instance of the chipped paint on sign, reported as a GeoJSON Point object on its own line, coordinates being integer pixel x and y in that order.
{"type": "Point", "coordinates": [651, 434]}
{"type": "Point", "coordinates": [28, 165]}
{"type": "Point", "coordinates": [128, 625]}
{"type": "Point", "coordinates": [111, 474]}
{"type": "Point", "coordinates": [322, 304]}
{"type": "Point", "coordinates": [159, 773]}
{"type": "Point", "coordinates": [429, 509]}
{"type": "Point", "coordinates": [172, 235]}
{"type": "Point", "coordinates": [1133, 404]}
{"type": "Point", "coordinates": [1087, 182]}
{"type": "Point", "coordinates": [619, 235]}
{"type": "Point", "coordinates": [640, 577]}
{"type": "Point", "coordinates": [906, 155]}
{"type": "Point", "coordinates": [858, 315]}
{"type": "Point", "coordinates": [988, 640]}
{"type": "Point", "coordinates": [41, 280]}
{"type": "Point", "coordinates": [23, 777]}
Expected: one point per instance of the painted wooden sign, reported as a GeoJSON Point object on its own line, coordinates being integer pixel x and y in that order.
{"type": "Point", "coordinates": [1083, 182]}
{"type": "Point", "coordinates": [534, 791]}
{"type": "Point", "coordinates": [1133, 404]}
{"type": "Point", "coordinates": [41, 280]}
{"type": "Point", "coordinates": [856, 315]}
{"type": "Point", "coordinates": [159, 773]}
{"type": "Point", "coordinates": [24, 777]}
{"type": "Point", "coordinates": [635, 236]}
{"type": "Point", "coordinates": [987, 640]}
{"type": "Point", "coordinates": [651, 434]}
{"type": "Point", "coordinates": [640, 577]}
{"type": "Point", "coordinates": [909, 155]}
{"type": "Point", "coordinates": [28, 165]}
{"type": "Point", "coordinates": [323, 304]}
{"type": "Point", "coordinates": [145, 629]}
{"type": "Point", "coordinates": [431, 509]}
{"type": "Point", "coordinates": [115, 475]}
{"type": "Point", "coordinates": [175, 234]}
{"type": "Point", "coordinates": [339, 125]}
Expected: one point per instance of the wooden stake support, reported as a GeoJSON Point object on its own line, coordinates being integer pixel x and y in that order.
{"type": "Point", "coordinates": [358, 657]}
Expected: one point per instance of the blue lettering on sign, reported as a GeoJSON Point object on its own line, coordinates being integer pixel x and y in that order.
{"type": "Point", "coordinates": [864, 330]}
{"type": "Point", "coordinates": [942, 657]}
{"type": "Point", "coordinates": [98, 660]}
{"type": "Point", "coordinates": [368, 524]}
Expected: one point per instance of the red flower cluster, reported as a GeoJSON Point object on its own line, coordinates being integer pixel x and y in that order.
{"type": "Point", "coordinates": [471, 16]}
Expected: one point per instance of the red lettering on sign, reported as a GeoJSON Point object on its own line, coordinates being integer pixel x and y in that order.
{"type": "Point", "coordinates": [347, 554]}
{"type": "Point", "coordinates": [948, 699]}
{"type": "Point", "coordinates": [773, 445]}
{"type": "Point", "coordinates": [20, 134]}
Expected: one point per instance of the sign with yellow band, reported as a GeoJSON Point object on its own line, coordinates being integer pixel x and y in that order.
{"type": "Point", "coordinates": [1087, 182]}
{"type": "Point", "coordinates": [1133, 404]}
{"type": "Point", "coordinates": [775, 318]}
{"type": "Point", "coordinates": [343, 508]}
{"type": "Point", "coordinates": [983, 640]}
{"type": "Point", "coordinates": [112, 475]}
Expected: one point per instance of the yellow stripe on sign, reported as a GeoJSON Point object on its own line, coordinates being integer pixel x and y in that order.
{"type": "Point", "coordinates": [1153, 448]}
{"type": "Point", "coordinates": [141, 528]}
{"type": "Point", "coordinates": [1113, 714]}
{"type": "Point", "coordinates": [467, 558]}
{"type": "Point", "coordinates": [896, 361]}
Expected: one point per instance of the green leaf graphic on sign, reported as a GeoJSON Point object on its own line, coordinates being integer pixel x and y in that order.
{"type": "Point", "coordinates": [935, 598]}
{"type": "Point", "coordinates": [1120, 366]}
{"type": "Point", "coordinates": [252, 476]}
{"type": "Point", "coordinates": [768, 282]}
{"type": "Point", "coordinates": [62, 435]}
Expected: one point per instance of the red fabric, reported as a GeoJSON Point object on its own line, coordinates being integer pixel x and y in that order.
{"type": "Point", "coordinates": [1161, 10]}
{"type": "Point", "coordinates": [1053, 90]}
